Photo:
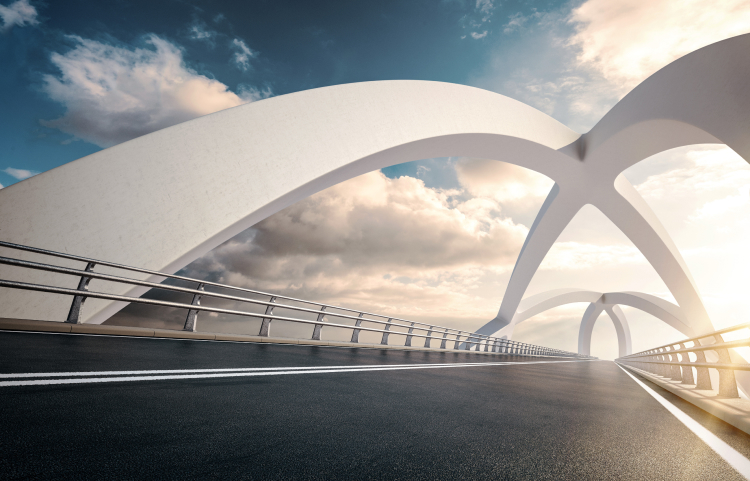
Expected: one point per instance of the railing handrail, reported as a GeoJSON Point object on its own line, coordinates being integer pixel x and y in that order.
{"type": "Point", "coordinates": [673, 361]}
{"type": "Point", "coordinates": [707, 347]}
{"type": "Point", "coordinates": [207, 283]}
{"type": "Point", "coordinates": [469, 339]}
{"type": "Point", "coordinates": [694, 339]}
{"type": "Point", "coordinates": [186, 290]}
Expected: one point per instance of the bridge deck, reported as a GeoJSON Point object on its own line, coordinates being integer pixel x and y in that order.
{"type": "Point", "coordinates": [554, 420]}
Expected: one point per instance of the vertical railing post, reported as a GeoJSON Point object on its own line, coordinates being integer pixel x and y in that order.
{"type": "Point", "coordinates": [265, 324]}
{"type": "Point", "coordinates": [319, 327]}
{"type": "Point", "coordinates": [703, 378]}
{"type": "Point", "coordinates": [74, 314]}
{"type": "Point", "coordinates": [408, 338]}
{"type": "Point", "coordinates": [191, 321]}
{"type": "Point", "coordinates": [384, 341]}
{"type": "Point", "coordinates": [727, 381]}
{"type": "Point", "coordinates": [355, 332]}
{"type": "Point", "coordinates": [676, 372]}
{"type": "Point", "coordinates": [467, 343]}
{"type": "Point", "coordinates": [687, 371]}
{"type": "Point", "coordinates": [444, 340]}
{"type": "Point", "coordinates": [458, 337]}
{"type": "Point", "coordinates": [428, 339]}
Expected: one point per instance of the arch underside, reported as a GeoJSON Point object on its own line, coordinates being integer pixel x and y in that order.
{"type": "Point", "coordinates": [599, 302]}
{"type": "Point", "coordinates": [162, 200]}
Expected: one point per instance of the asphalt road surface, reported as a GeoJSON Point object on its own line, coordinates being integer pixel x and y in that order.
{"type": "Point", "coordinates": [102, 407]}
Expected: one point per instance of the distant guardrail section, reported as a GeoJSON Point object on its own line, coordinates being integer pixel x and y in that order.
{"type": "Point", "coordinates": [360, 321]}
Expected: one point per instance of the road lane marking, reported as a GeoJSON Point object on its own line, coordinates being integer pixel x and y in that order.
{"type": "Point", "coordinates": [131, 376]}
{"type": "Point", "coordinates": [739, 462]}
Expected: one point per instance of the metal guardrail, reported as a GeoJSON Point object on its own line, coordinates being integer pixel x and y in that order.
{"type": "Point", "coordinates": [673, 361]}
{"type": "Point", "coordinates": [422, 330]}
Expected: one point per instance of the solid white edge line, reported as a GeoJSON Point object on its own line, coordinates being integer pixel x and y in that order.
{"type": "Point", "coordinates": [156, 338]}
{"type": "Point", "coordinates": [240, 369]}
{"type": "Point", "coordinates": [739, 462]}
{"type": "Point", "coordinates": [46, 382]}
{"type": "Point", "coordinates": [197, 371]}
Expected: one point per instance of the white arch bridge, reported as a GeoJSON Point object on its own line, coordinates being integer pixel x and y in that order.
{"type": "Point", "coordinates": [162, 200]}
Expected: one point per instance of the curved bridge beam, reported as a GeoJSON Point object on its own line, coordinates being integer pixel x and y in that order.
{"type": "Point", "coordinates": [699, 98]}
{"type": "Point", "coordinates": [622, 328]}
{"type": "Point", "coordinates": [162, 200]}
{"type": "Point", "coordinates": [665, 311]}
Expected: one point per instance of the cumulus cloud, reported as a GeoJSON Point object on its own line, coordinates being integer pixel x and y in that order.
{"type": "Point", "coordinates": [19, 13]}
{"type": "Point", "coordinates": [506, 183]}
{"type": "Point", "coordinates": [709, 170]}
{"type": "Point", "coordinates": [477, 35]}
{"type": "Point", "coordinates": [113, 93]}
{"type": "Point", "coordinates": [242, 54]}
{"type": "Point", "coordinates": [628, 40]}
{"type": "Point", "coordinates": [378, 243]}
{"type": "Point", "coordinates": [19, 174]}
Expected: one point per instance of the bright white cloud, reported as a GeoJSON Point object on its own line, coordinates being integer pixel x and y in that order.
{"type": "Point", "coordinates": [701, 172]}
{"type": "Point", "coordinates": [628, 40]}
{"type": "Point", "coordinates": [242, 54]}
{"type": "Point", "coordinates": [113, 94]}
{"type": "Point", "coordinates": [476, 35]}
{"type": "Point", "coordinates": [19, 174]}
{"type": "Point", "coordinates": [375, 242]}
{"type": "Point", "coordinates": [19, 13]}
{"type": "Point", "coordinates": [506, 183]}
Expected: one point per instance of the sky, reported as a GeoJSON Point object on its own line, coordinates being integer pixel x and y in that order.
{"type": "Point", "coordinates": [431, 240]}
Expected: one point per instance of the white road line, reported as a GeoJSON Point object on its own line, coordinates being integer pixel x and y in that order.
{"type": "Point", "coordinates": [248, 372]}
{"type": "Point", "coordinates": [739, 462]}
{"type": "Point", "coordinates": [194, 371]}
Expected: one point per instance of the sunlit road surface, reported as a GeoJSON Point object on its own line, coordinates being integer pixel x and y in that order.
{"type": "Point", "coordinates": [96, 407]}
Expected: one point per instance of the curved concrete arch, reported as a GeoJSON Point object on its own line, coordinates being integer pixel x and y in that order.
{"type": "Point", "coordinates": [164, 199]}
{"type": "Point", "coordinates": [609, 302]}
{"type": "Point", "coordinates": [663, 310]}
{"type": "Point", "coordinates": [699, 98]}
{"type": "Point", "coordinates": [630, 213]}
{"type": "Point", "coordinates": [624, 343]}
{"type": "Point", "coordinates": [544, 301]}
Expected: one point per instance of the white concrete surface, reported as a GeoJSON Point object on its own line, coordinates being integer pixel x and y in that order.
{"type": "Point", "coordinates": [162, 200]}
